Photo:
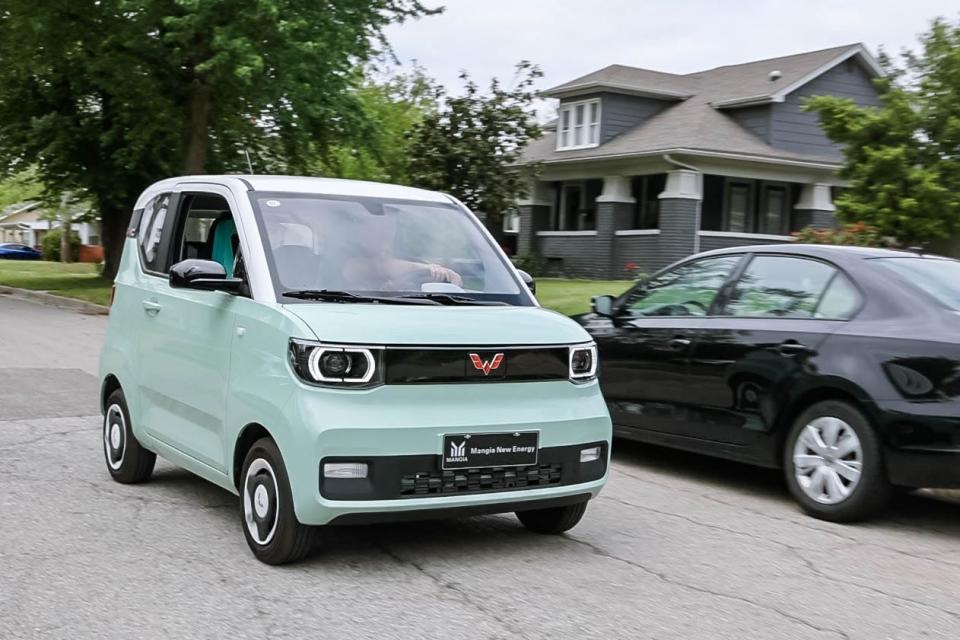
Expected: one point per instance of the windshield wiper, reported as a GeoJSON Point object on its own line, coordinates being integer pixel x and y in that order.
{"type": "Point", "coordinates": [448, 299]}
{"type": "Point", "coordinates": [328, 295]}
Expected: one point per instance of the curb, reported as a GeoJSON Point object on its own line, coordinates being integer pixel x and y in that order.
{"type": "Point", "coordinates": [50, 299]}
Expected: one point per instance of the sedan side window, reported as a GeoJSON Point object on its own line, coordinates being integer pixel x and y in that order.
{"type": "Point", "coordinates": [840, 301]}
{"type": "Point", "coordinates": [779, 286]}
{"type": "Point", "coordinates": [687, 290]}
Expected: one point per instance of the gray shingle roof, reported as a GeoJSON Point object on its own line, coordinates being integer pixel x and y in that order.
{"type": "Point", "coordinates": [697, 122]}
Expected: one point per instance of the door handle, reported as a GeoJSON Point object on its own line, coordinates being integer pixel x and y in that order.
{"type": "Point", "coordinates": [151, 306]}
{"type": "Point", "coordinates": [792, 348]}
{"type": "Point", "coordinates": [678, 343]}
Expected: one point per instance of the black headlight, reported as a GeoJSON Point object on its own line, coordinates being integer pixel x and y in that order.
{"type": "Point", "coordinates": [337, 365]}
{"type": "Point", "coordinates": [583, 362]}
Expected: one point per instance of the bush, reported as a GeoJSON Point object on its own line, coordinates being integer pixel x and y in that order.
{"type": "Point", "coordinates": [51, 246]}
{"type": "Point", "coordinates": [857, 234]}
{"type": "Point", "coordinates": [532, 263]}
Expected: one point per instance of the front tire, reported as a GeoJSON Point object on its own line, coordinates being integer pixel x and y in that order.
{"type": "Point", "coordinates": [833, 461]}
{"type": "Point", "coordinates": [554, 520]}
{"type": "Point", "coordinates": [127, 461]}
{"type": "Point", "coordinates": [271, 528]}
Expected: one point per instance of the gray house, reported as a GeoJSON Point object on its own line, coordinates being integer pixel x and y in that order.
{"type": "Point", "coordinates": [643, 168]}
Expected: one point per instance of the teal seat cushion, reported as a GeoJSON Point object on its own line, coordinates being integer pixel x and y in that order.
{"type": "Point", "coordinates": [223, 234]}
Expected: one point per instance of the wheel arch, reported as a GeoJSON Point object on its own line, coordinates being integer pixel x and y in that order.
{"type": "Point", "coordinates": [248, 435]}
{"type": "Point", "coordinates": [110, 384]}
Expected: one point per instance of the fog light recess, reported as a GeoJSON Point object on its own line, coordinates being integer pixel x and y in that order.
{"type": "Point", "coordinates": [589, 455]}
{"type": "Point", "coordinates": [345, 470]}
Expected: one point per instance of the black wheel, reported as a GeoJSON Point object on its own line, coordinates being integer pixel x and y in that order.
{"type": "Point", "coordinates": [834, 464]}
{"type": "Point", "coordinates": [127, 461]}
{"type": "Point", "coordinates": [269, 523]}
{"type": "Point", "coordinates": [553, 520]}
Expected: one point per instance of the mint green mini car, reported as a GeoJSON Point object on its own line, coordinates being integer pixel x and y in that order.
{"type": "Point", "coordinates": [341, 352]}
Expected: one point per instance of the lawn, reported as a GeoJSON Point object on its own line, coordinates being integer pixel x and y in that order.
{"type": "Point", "coordinates": [81, 281]}
{"type": "Point", "coordinates": [78, 280]}
{"type": "Point", "coordinates": [573, 296]}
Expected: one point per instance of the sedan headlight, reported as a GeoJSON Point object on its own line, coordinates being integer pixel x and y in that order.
{"type": "Point", "coordinates": [583, 362]}
{"type": "Point", "coordinates": [334, 365]}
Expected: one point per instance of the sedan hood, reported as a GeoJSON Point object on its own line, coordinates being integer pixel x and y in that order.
{"type": "Point", "coordinates": [437, 325]}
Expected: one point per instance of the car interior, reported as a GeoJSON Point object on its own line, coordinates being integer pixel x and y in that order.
{"type": "Point", "coordinates": [209, 232]}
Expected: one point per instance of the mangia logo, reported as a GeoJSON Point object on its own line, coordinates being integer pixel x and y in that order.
{"type": "Point", "coordinates": [458, 450]}
{"type": "Point", "coordinates": [486, 365]}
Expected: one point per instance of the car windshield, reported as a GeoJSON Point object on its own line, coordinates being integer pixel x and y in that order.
{"type": "Point", "coordinates": [938, 277]}
{"type": "Point", "coordinates": [353, 246]}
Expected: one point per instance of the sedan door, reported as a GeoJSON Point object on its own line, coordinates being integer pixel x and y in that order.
{"type": "Point", "coordinates": [747, 360]}
{"type": "Point", "coordinates": [645, 347]}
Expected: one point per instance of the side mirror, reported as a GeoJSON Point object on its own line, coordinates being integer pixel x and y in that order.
{"type": "Point", "coordinates": [528, 280]}
{"type": "Point", "coordinates": [603, 305]}
{"type": "Point", "coordinates": [205, 275]}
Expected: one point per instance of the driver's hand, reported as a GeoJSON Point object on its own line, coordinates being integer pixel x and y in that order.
{"type": "Point", "coordinates": [442, 274]}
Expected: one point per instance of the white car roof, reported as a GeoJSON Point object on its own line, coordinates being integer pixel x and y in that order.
{"type": "Point", "coordinates": [302, 184]}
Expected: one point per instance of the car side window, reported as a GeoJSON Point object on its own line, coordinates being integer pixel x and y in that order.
{"type": "Point", "coordinates": [206, 230]}
{"type": "Point", "coordinates": [779, 286]}
{"type": "Point", "coordinates": [151, 230]}
{"type": "Point", "coordinates": [687, 290]}
{"type": "Point", "coordinates": [840, 301]}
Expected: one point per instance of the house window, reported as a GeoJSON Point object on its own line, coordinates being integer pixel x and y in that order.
{"type": "Point", "coordinates": [575, 208]}
{"type": "Point", "coordinates": [646, 191]}
{"type": "Point", "coordinates": [739, 207]}
{"type": "Point", "coordinates": [579, 125]}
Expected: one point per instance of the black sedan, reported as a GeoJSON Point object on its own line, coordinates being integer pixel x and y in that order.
{"type": "Point", "coordinates": [840, 365]}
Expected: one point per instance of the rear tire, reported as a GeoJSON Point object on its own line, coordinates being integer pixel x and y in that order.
{"type": "Point", "coordinates": [127, 461]}
{"type": "Point", "coordinates": [554, 520]}
{"type": "Point", "coordinates": [271, 528]}
{"type": "Point", "coordinates": [834, 466]}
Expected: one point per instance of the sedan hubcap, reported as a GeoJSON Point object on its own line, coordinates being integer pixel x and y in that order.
{"type": "Point", "coordinates": [827, 460]}
{"type": "Point", "coordinates": [260, 504]}
{"type": "Point", "coordinates": [114, 436]}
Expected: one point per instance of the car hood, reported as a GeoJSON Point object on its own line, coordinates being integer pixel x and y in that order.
{"type": "Point", "coordinates": [428, 325]}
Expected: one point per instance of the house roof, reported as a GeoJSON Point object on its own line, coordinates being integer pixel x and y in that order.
{"type": "Point", "coordinates": [698, 122]}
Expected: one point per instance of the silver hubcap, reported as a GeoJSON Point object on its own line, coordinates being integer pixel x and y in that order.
{"type": "Point", "coordinates": [827, 460]}
{"type": "Point", "coordinates": [114, 436]}
{"type": "Point", "coordinates": [260, 501]}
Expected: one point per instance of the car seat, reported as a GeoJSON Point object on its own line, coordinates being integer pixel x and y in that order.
{"type": "Point", "coordinates": [225, 240]}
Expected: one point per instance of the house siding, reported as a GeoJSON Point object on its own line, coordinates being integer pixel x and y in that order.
{"type": "Point", "coordinates": [642, 250]}
{"type": "Point", "coordinates": [619, 113]}
{"type": "Point", "coordinates": [754, 119]}
{"type": "Point", "coordinates": [796, 130]}
{"type": "Point", "coordinates": [574, 256]}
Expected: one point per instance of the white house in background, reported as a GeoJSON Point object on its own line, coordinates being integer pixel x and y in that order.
{"type": "Point", "coordinates": [25, 223]}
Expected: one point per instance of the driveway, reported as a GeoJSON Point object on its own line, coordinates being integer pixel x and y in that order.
{"type": "Point", "coordinates": [677, 546]}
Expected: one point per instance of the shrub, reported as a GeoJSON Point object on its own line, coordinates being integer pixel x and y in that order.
{"type": "Point", "coordinates": [857, 234]}
{"type": "Point", "coordinates": [532, 263]}
{"type": "Point", "coordinates": [51, 246]}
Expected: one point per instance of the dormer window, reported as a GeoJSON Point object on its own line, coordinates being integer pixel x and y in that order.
{"type": "Point", "coordinates": [579, 125]}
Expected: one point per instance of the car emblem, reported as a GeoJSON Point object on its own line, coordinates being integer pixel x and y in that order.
{"type": "Point", "coordinates": [486, 365]}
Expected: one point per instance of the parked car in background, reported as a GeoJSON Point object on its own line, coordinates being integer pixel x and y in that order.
{"type": "Point", "coordinates": [839, 364]}
{"type": "Point", "coordinates": [343, 352]}
{"type": "Point", "coordinates": [16, 251]}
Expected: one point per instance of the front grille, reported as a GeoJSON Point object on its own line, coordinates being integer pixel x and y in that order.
{"type": "Point", "coordinates": [476, 480]}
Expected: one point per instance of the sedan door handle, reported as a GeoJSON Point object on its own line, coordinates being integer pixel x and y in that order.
{"type": "Point", "coordinates": [679, 343]}
{"type": "Point", "coordinates": [151, 306]}
{"type": "Point", "coordinates": [790, 349]}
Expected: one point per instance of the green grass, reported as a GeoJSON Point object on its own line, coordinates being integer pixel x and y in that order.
{"type": "Point", "coordinates": [77, 280]}
{"type": "Point", "coordinates": [573, 296]}
{"type": "Point", "coordinates": [81, 281]}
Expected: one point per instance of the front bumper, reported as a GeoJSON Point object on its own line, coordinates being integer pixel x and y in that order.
{"type": "Point", "coordinates": [399, 431]}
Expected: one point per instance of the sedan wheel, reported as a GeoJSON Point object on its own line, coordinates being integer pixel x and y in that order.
{"type": "Point", "coordinates": [834, 463]}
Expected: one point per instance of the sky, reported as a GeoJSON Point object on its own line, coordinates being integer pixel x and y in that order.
{"type": "Point", "coordinates": [568, 38]}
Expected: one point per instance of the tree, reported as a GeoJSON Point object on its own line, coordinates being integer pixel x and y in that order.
{"type": "Point", "coordinates": [124, 92]}
{"type": "Point", "coordinates": [470, 144]}
{"type": "Point", "coordinates": [20, 187]}
{"type": "Point", "coordinates": [903, 159]}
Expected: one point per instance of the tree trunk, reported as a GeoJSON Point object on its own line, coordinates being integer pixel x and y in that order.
{"type": "Point", "coordinates": [65, 229]}
{"type": "Point", "coordinates": [196, 135]}
{"type": "Point", "coordinates": [113, 232]}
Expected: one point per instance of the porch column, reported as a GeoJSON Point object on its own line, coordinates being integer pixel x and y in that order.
{"type": "Point", "coordinates": [680, 215]}
{"type": "Point", "coordinates": [815, 207]}
{"type": "Point", "coordinates": [534, 216]}
{"type": "Point", "coordinates": [615, 207]}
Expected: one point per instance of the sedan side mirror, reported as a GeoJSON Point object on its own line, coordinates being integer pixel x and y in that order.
{"type": "Point", "coordinates": [603, 305]}
{"type": "Point", "coordinates": [529, 281]}
{"type": "Point", "coordinates": [205, 275]}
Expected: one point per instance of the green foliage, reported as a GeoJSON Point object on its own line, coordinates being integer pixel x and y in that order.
{"type": "Point", "coordinates": [469, 144]}
{"type": "Point", "coordinates": [856, 234]}
{"type": "Point", "coordinates": [124, 92]}
{"type": "Point", "coordinates": [50, 245]}
{"type": "Point", "coordinates": [20, 187]}
{"type": "Point", "coordinates": [903, 159]}
{"type": "Point", "coordinates": [532, 263]}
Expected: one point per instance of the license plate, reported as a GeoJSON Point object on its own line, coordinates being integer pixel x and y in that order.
{"type": "Point", "coordinates": [470, 450]}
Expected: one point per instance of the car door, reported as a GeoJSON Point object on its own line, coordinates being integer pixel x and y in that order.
{"type": "Point", "coordinates": [185, 345]}
{"type": "Point", "coordinates": [746, 359]}
{"type": "Point", "coordinates": [644, 348]}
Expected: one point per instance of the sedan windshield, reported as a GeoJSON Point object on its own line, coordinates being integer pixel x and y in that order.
{"type": "Point", "coordinates": [938, 277]}
{"type": "Point", "coordinates": [352, 249]}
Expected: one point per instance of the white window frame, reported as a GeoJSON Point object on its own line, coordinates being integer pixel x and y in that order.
{"type": "Point", "coordinates": [589, 128]}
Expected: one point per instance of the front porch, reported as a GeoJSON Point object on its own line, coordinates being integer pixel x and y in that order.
{"type": "Point", "coordinates": [616, 226]}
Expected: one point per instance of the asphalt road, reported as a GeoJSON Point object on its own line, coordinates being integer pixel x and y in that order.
{"type": "Point", "coordinates": [677, 546]}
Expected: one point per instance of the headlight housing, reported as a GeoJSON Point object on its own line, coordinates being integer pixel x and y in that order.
{"type": "Point", "coordinates": [337, 365]}
{"type": "Point", "coordinates": [583, 362]}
